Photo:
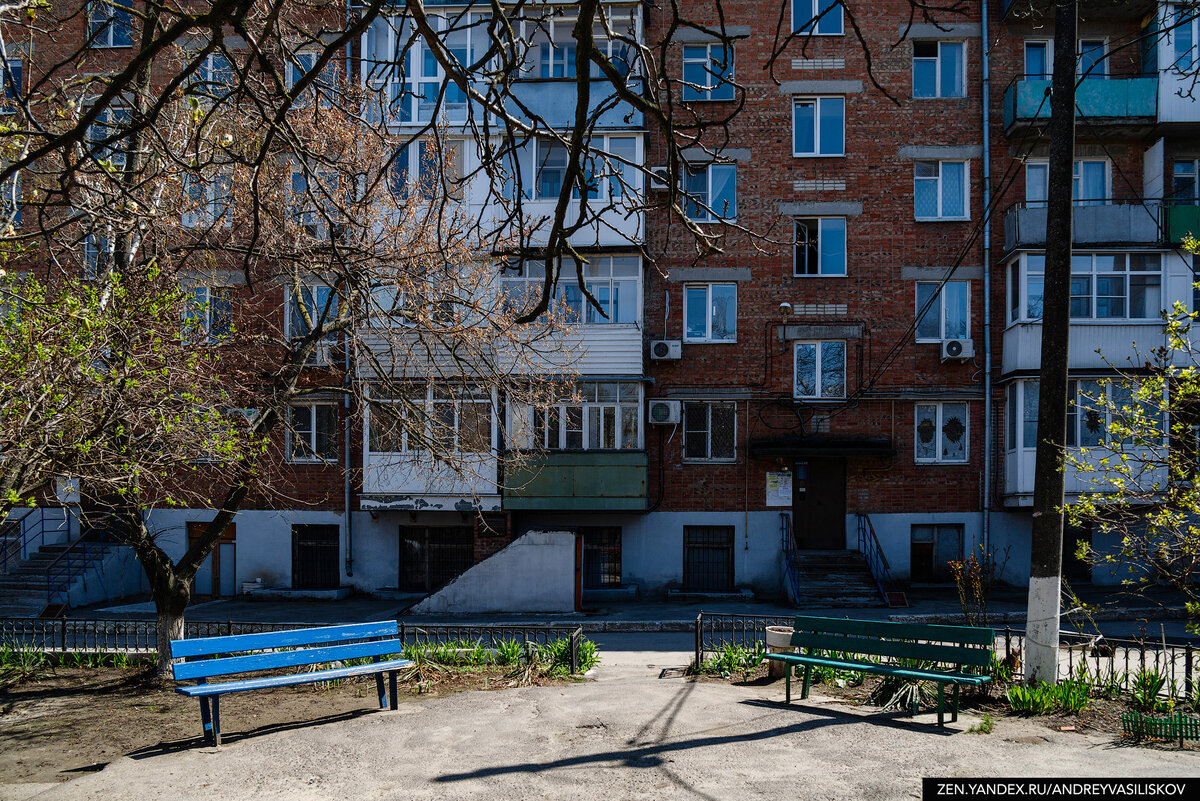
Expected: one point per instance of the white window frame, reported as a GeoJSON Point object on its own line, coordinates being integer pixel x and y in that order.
{"type": "Point", "coordinates": [939, 308]}
{"type": "Point", "coordinates": [1173, 60]}
{"type": "Point", "coordinates": [1193, 173]}
{"type": "Point", "coordinates": [324, 85]}
{"type": "Point", "coordinates": [200, 302]}
{"type": "Point", "coordinates": [704, 213]}
{"type": "Point", "coordinates": [939, 425]}
{"type": "Point", "coordinates": [106, 16]}
{"type": "Point", "coordinates": [819, 103]}
{"type": "Point", "coordinates": [708, 337]}
{"type": "Point", "coordinates": [1020, 276]}
{"type": "Point", "coordinates": [720, 84]}
{"type": "Point", "coordinates": [1101, 70]}
{"type": "Point", "coordinates": [1042, 166]}
{"type": "Point", "coordinates": [12, 75]}
{"type": "Point", "coordinates": [818, 349]}
{"type": "Point", "coordinates": [93, 248]}
{"type": "Point", "coordinates": [217, 196]}
{"type": "Point", "coordinates": [551, 427]}
{"type": "Point", "coordinates": [814, 8]}
{"type": "Point", "coordinates": [525, 279]}
{"type": "Point", "coordinates": [938, 69]}
{"type": "Point", "coordinates": [1048, 44]}
{"type": "Point", "coordinates": [322, 353]}
{"type": "Point", "coordinates": [429, 400]}
{"type": "Point", "coordinates": [823, 225]}
{"type": "Point", "coordinates": [112, 116]}
{"type": "Point", "coordinates": [940, 179]}
{"type": "Point", "coordinates": [709, 406]}
{"type": "Point", "coordinates": [290, 444]}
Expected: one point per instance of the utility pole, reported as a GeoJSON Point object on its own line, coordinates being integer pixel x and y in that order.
{"type": "Point", "coordinates": [1045, 565]}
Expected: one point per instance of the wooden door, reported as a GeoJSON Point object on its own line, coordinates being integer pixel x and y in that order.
{"type": "Point", "coordinates": [819, 504]}
{"type": "Point", "coordinates": [217, 575]}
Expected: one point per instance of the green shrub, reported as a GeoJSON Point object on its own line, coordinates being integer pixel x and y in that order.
{"type": "Point", "coordinates": [984, 726]}
{"type": "Point", "coordinates": [731, 658]}
{"type": "Point", "coordinates": [508, 652]}
{"type": "Point", "coordinates": [20, 662]}
{"type": "Point", "coordinates": [1146, 693]}
{"type": "Point", "coordinates": [1027, 700]}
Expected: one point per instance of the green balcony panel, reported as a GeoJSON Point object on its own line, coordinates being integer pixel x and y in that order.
{"type": "Point", "coordinates": [1132, 99]}
{"type": "Point", "coordinates": [1181, 221]}
{"type": "Point", "coordinates": [596, 481]}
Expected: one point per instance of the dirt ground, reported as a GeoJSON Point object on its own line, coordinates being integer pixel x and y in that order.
{"type": "Point", "coordinates": [74, 721]}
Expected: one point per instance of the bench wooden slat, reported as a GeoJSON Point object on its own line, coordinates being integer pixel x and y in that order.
{"type": "Point", "coordinates": [207, 668]}
{"type": "Point", "coordinates": [933, 652]}
{"type": "Point", "coordinates": [886, 670]}
{"type": "Point", "coordinates": [209, 646]}
{"type": "Point", "coordinates": [291, 679]}
{"type": "Point", "coordinates": [966, 635]}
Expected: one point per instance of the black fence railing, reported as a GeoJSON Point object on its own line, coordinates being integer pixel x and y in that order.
{"type": "Point", "coordinates": [1116, 663]}
{"type": "Point", "coordinates": [69, 635]}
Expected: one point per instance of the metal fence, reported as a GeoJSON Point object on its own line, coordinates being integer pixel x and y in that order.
{"type": "Point", "coordinates": [1113, 662]}
{"type": "Point", "coordinates": [69, 635]}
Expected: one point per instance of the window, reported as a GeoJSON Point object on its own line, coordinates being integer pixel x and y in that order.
{"type": "Point", "coordinates": [940, 434]}
{"type": "Point", "coordinates": [207, 202]}
{"type": "Point", "coordinates": [602, 415]}
{"type": "Point", "coordinates": [1089, 183]}
{"type": "Point", "coordinates": [312, 432]}
{"type": "Point", "coordinates": [711, 192]}
{"type": "Point", "coordinates": [1183, 35]}
{"type": "Point", "coordinates": [110, 23]}
{"type": "Point", "coordinates": [315, 202]}
{"type": "Point", "coordinates": [939, 69]}
{"type": "Point", "coordinates": [442, 418]}
{"type": "Point", "coordinates": [323, 87]}
{"type": "Point", "coordinates": [10, 201]}
{"type": "Point", "coordinates": [213, 77]}
{"type": "Point", "coordinates": [601, 556]}
{"type": "Point", "coordinates": [820, 370]}
{"type": "Point", "coordinates": [818, 17]}
{"type": "Point", "coordinates": [940, 190]}
{"type": "Point", "coordinates": [818, 126]}
{"type": "Point", "coordinates": [820, 246]}
{"type": "Point", "coordinates": [708, 72]}
{"type": "Point", "coordinates": [946, 312]}
{"type": "Point", "coordinates": [1022, 415]}
{"type": "Point", "coordinates": [1039, 59]}
{"type": "Point", "coordinates": [710, 313]}
{"type": "Point", "coordinates": [112, 121]}
{"type": "Point", "coordinates": [708, 558]}
{"type": "Point", "coordinates": [1093, 406]}
{"type": "Point", "coordinates": [614, 281]}
{"type": "Point", "coordinates": [609, 169]}
{"type": "Point", "coordinates": [10, 80]}
{"type": "Point", "coordinates": [208, 312]}
{"type": "Point", "coordinates": [1184, 184]}
{"type": "Point", "coordinates": [97, 255]}
{"type": "Point", "coordinates": [1092, 60]}
{"type": "Point", "coordinates": [709, 431]}
{"type": "Point", "coordinates": [309, 306]}
{"type": "Point", "coordinates": [1104, 286]}
{"type": "Point", "coordinates": [436, 171]}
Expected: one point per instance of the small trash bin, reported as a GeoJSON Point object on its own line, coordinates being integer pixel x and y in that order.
{"type": "Point", "coordinates": [779, 640]}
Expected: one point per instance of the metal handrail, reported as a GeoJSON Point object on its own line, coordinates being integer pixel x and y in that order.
{"type": "Point", "coordinates": [60, 590]}
{"type": "Point", "coordinates": [868, 545]}
{"type": "Point", "coordinates": [790, 567]}
{"type": "Point", "coordinates": [30, 528]}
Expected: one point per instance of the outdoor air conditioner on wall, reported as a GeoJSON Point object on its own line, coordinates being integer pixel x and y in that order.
{"type": "Point", "coordinates": [666, 349]}
{"type": "Point", "coordinates": [662, 412]}
{"type": "Point", "coordinates": [658, 178]}
{"type": "Point", "coordinates": [958, 349]}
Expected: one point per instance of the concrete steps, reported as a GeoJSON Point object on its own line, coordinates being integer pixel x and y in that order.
{"type": "Point", "coordinates": [835, 579]}
{"type": "Point", "coordinates": [25, 585]}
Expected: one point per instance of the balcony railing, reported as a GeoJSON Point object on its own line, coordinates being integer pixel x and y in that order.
{"type": "Point", "coordinates": [1112, 100]}
{"type": "Point", "coordinates": [552, 103]}
{"type": "Point", "coordinates": [1100, 222]}
{"type": "Point", "coordinates": [1182, 219]}
{"type": "Point", "coordinates": [1043, 10]}
{"type": "Point", "coordinates": [577, 481]}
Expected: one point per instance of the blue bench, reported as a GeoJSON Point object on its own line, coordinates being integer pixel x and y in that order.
{"type": "Point", "coordinates": [208, 658]}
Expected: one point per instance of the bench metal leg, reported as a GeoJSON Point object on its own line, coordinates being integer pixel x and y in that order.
{"type": "Point", "coordinates": [216, 713]}
{"type": "Point", "coordinates": [383, 701]}
{"type": "Point", "coordinates": [954, 712]}
{"type": "Point", "coordinates": [205, 719]}
{"type": "Point", "coordinates": [787, 683]}
{"type": "Point", "coordinates": [807, 681]}
{"type": "Point", "coordinates": [392, 690]}
{"type": "Point", "coordinates": [941, 704]}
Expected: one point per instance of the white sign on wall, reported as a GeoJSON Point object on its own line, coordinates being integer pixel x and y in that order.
{"type": "Point", "coordinates": [779, 489]}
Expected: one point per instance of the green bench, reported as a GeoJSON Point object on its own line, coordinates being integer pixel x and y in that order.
{"type": "Point", "coordinates": [960, 647]}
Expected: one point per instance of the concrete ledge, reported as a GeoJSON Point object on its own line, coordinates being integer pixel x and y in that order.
{"type": "Point", "coordinates": [626, 592]}
{"type": "Point", "coordinates": [288, 594]}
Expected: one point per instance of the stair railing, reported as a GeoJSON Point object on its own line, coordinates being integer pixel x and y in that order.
{"type": "Point", "coordinates": [790, 566]}
{"type": "Point", "coordinates": [74, 563]}
{"type": "Point", "coordinates": [27, 535]}
{"type": "Point", "coordinates": [868, 545]}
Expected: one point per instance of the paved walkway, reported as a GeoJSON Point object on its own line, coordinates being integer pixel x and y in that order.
{"type": "Point", "coordinates": [639, 731]}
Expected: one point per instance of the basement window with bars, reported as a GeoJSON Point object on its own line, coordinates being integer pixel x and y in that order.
{"type": "Point", "coordinates": [709, 431]}
{"type": "Point", "coordinates": [601, 556]}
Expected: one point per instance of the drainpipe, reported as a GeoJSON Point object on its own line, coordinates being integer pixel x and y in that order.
{"type": "Point", "coordinates": [987, 284]}
{"type": "Point", "coordinates": [346, 515]}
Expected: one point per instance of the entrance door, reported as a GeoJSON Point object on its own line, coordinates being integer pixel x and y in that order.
{"type": "Point", "coordinates": [315, 551]}
{"type": "Point", "coordinates": [431, 556]}
{"type": "Point", "coordinates": [1074, 569]}
{"type": "Point", "coordinates": [217, 575]}
{"type": "Point", "coordinates": [819, 504]}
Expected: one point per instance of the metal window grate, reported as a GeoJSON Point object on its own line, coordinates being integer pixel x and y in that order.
{"type": "Point", "coordinates": [431, 556]}
{"type": "Point", "coordinates": [708, 558]}
{"type": "Point", "coordinates": [601, 556]}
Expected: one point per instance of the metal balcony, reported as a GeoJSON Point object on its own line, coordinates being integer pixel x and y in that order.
{"type": "Point", "coordinates": [1104, 103]}
{"type": "Point", "coordinates": [1122, 223]}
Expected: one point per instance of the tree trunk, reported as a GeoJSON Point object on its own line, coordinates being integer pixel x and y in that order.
{"type": "Point", "coordinates": [1045, 565]}
{"type": "Point", "coordinates": [171, 597]}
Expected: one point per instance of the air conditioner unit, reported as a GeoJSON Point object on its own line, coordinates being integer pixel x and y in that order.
{"type": "Point", "coordinates": [658, 178]}
{"type": "Point", "coordinates": [958, 349]}
{"type": "Point", "coordinates": [662, 412]}
{"type": "Point", "coordinates": [666, 349]}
